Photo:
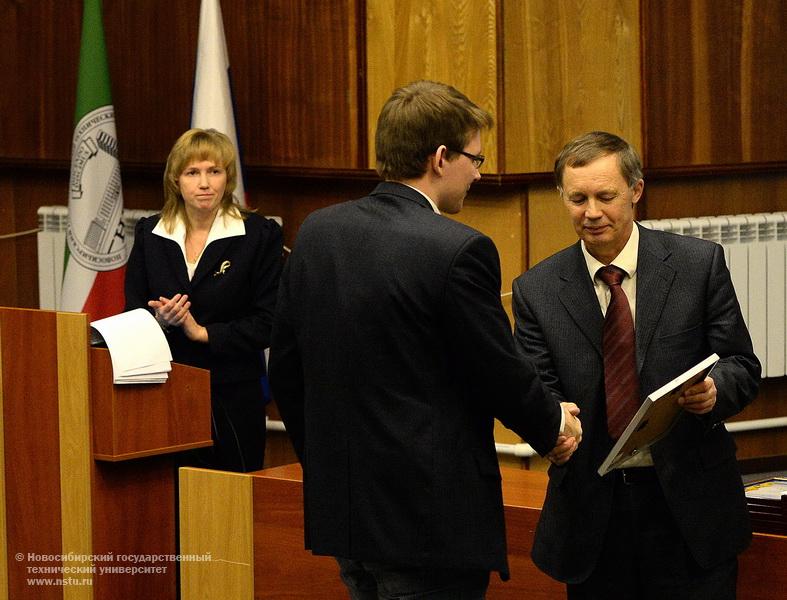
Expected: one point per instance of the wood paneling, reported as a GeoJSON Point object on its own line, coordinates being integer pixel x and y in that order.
{"type": "Point", "coordinates": [294, 67]}
{"type": "Point", "coordinates": [134, 421]}
{"type": "Point", "coordinates": [75, 457]}
{"type": "Point", "coordinates": [39, 67]}
{"type": "Point", "coordinates": [452, 42]}
{"type": "Point", "coordinates": [275, 196]}
{"type": "Point", "coordinates": [3, 510]}
{"type": "Point", "coordinates": [300, 104]}
{"type": "Point", "coordinates": [499, 214]}
{"type": "Point", "coordinates": [550, 226]}
{"type": "Point", "coordinates": [216, 521]}
{"type": "Point", "coordinates": [714, 81]}
{"type": "Point", "coordinates": [18, 253]}
{"type": "Point", "coordinates": [569, 67]}
{"type": "Point", "coordinates": [710, 196]}
{"type": "Point", "coordinates": [32, 449]}
{"type": "Point", "coordinates": [770, 402]}
{"type": "Point", "coordinates": [134, 508]}
{"type": "Point", "coordinates": [280, 559]}
{"type": "Point", "coordinates": [42, 56]}
{"type": "Point", "coordinates": [282, 567]}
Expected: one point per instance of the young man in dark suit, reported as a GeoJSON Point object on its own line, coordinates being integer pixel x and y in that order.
{"type": "Point", "coordinates": [670, 522]}
{"type": "Point", "coordinates": [392, 355]}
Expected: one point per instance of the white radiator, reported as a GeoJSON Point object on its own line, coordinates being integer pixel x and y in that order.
{"type": "Point", "coordinates": [755, 246]}
{"type": "Point", "coordinates": [52, 224]}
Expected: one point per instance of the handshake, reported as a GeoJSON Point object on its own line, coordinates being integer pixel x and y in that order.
{"type": "Point", "coordinates": [569, 437]}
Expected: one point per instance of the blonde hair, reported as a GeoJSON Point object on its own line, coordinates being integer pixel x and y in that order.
{"type": "Point", "coordinates": [196, 145]}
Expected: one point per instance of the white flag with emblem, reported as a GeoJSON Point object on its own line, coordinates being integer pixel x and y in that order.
{"type": "Point", "coordinates": [96, 250]}
{"type": "Point", "coordinates": [212, 103]}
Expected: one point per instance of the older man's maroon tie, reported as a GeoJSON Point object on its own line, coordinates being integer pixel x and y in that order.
{"type": "Point", "coordinates": [620, 367]}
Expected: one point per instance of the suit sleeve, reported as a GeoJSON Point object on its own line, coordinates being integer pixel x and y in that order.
{"type": "Point", "coordinates": [482, 333]}
{"type": "Point", "coordinates": [737, 374]}
{"type": "Point", "coordinates": [286, 370]}
{"type": "Point", "coordinates": [136, 286]}
{"type": "Point", "coordinates": [531, 343]}
{"type": "Point", "coordinates": [251, 332]}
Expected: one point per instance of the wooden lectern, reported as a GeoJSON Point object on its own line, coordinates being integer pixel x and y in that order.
{"type": "Point", "coordinates": [87, 492]}
{"type": "Point", "coordinates": [251, 527]}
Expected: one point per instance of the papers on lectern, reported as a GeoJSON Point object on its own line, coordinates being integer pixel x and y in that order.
{"type": "Point", "coordinates": [774, 488]}
{"type": "Point", "coordinates": [137, 346]}
{"type": "Point", "coordinates": [655, 416]}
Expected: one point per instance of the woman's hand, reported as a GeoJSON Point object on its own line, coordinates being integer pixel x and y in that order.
{"type": "Point", "coordinates": [193, 330]}
{"type": "Point", "coordinates": [170, 312]}
{"type": "Point", "coordinates": [174, 312]}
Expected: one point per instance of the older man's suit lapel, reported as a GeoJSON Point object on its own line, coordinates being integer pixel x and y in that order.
{"type": "Point", "coordinates": [577, 296]}
{"type": "Point", "coordinates": [654, 280]}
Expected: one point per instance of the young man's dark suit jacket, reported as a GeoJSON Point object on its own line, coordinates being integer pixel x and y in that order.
{"type": "Point", "coordinates": [686, 309]}
{"type": "Point", "coordinates": [391, 355]}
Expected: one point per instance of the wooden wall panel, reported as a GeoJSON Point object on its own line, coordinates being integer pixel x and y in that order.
{"type": "Point", "coordinates": [569, 67]}
{"type": "Point", "coordinates": [3, 511]}
{"type": "Point", "coordinates": [22, 191]}
{"type": "Point", "coordinates": [152, 50]}
{"type": "Point", "coordinates": [770, 402]}
{"type": "Point", "coordinates": [499, 214]}
{"type": "Point", "coordinates": [38, 67]}
{"type": "Point", "coordinates": [452, 42]}
{"type": "Point", "coordinates": [300, 105]}
{"type": "Point", "coordinates": [701, 196]}
{"type": "Point", "coordinates": [8, 245]}
{"type": "Point", "coordinates": [151, 89]}
{"type": "Point", "coordinates": [134, 508]}
{"type": "Point", "coordinates": [550, 226]}
{"type": "Point", "coordinates": [293, 198]}
{"type": "Point", "coordinates": [294, 71]}
{"type": "Point", "coordinates": [714, 81]}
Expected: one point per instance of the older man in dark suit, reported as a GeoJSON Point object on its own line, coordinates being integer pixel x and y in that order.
{"type": "Point", "coordinates": [391, 356]}
{"type": "Point", "coordinates": [670, 523]}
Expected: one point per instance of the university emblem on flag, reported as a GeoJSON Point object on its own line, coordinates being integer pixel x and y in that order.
{"type": "Point", "coordinates": [96, 239]}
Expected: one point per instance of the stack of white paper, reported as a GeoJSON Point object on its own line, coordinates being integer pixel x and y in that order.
{"type": "Point", "coordinates": [137, 345]}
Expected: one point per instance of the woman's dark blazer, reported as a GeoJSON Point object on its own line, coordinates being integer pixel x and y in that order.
{"type": "Point", "coordinates": [233, 294]}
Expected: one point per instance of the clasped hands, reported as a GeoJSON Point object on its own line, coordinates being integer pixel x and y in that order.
{"type": "Point", "coordinates": [174, 312]}
{"type": "Point", "coordinates": [569, 437]}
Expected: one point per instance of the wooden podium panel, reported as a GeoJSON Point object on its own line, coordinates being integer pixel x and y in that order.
{"type": "Point", "coordinates": [276, 566]}
{"type": "Point", "coordinates": [135, 421]}
{"type": "Point", "coordinates": [72, 527]}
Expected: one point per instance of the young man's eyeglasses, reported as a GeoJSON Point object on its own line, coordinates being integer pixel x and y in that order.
{"type": "Point", "coordinates": [478, 159]}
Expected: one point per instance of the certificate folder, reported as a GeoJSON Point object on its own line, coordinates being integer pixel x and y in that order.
{"type": "Point", "coordinates": [655, 416]}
